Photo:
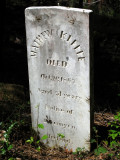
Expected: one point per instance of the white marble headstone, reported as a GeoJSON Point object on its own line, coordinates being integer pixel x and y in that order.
{"type": "Point", "coordinates": [58, 48]}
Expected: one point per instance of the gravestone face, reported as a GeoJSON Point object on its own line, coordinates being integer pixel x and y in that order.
{"type": "Point", "coordinates": [58, 47]}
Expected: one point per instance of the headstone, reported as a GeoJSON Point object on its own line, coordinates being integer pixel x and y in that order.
{"type": "Point", "coordinates": [58, 48]}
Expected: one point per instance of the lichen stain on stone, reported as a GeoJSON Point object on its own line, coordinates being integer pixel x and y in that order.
{"type": "Point", "coordinates": [38, 18]}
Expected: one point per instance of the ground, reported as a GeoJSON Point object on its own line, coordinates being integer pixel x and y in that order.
{"type": "Point", "coordinates": [15, 116]}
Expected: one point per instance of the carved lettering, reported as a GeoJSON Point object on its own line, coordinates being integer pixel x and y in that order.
{"type": "Point", "coordinates": [69, 37]}
{"type": "Point", "coordinates": [45, 91]}
{"type": "Point", "coordinates": [33, 53]}
{"type": "Point", "coordinates": [59, 93]}
{"type": "Point", "coordinates": [58, 139]}
{"type": "Point", "coordinates": [60, 124]}
{"type": "Point", "coordinates": [56, 63]}
{"type": "Point", "coordinates": [64, 63]}
{"type": "Point", "coordinates": [80, 58]}
{"type": "Point", "coordinates": [57, 78]}
{"type": "Point", "coordinates": [77, 47]}
{"type": "Point", "coordinates": [73, 42]}
{"type": "Point", "coordinates": [44, 35]}
{"type": "Point", "coordinates": [63, 35]}
{"type": "Point", "coordinates": [39, 41]}
{"type": "Point", "coordinates": [49, 33]}
{"type": "Point", "coordinates": [79, 52]}
{"type": "Point", "coordinates": [57, 109]}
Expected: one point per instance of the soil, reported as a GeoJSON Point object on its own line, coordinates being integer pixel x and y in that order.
{"type": "Point", "coordinates": [16, 109]}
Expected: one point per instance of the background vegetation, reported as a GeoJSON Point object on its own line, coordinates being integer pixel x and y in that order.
{"type": "Point", "coordinates": [15, 123]}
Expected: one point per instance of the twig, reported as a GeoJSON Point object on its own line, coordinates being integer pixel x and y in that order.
{"type": "Point", "coordinates": [92, 2]}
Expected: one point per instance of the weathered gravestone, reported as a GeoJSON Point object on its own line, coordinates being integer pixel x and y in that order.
{"type": "Point", "coordinates": [58, 47]}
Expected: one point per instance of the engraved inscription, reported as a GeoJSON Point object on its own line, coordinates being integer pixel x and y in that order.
{"type": "Point", "coordinates": [63, 35]}
{"type": "Point", "coordinates": [45, 91]}
{"type": "Point", "coordinates": [43, 36]}
{"type": "Point", "coordinates": [40, 40]}
{"type": "Point", "coordinates": [57, 78]}
{"type": "Point", "coordinates": [59, 56]}
{"type": "Point", "coordinates": [55, 108]}
{"type": "Point", "coordinates": [73, 42]}
{"type": "Point", "coordinates": [56, 63]}
{"type": "Point", "coordinates": [59, 93]}
{"type": "Point", "coordinates": [59, 124]}
{"type": "Point", "coordinates": [58, 138]}
{"type": "Point", "coordinates": [80, 58]}
{"type": "Point", "coordinates": [66, 95]}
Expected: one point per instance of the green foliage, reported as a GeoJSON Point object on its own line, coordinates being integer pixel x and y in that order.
{"type": "Point", "coordinates": [44, 137]}
{"type": "Point", "coordinates": [5, 142]}
{"type": "Point", "coordinates": [114, 132]}
{"type": "Point", "coordinates": [95, 140]}
{"type": "Point", "coordinates": [100, 150]}
{"type": "Point", "coordinates": [113, 146]}
{"type": "Point", "coordinates": [11, 158]}
{"type": "Point", "coordinates": [80, 152]}
{"type": "Point", "coordinates": [38, 148]}
{"type": "Point", "coordinates": [31, 140]}
{"type": "Point", "coordinates": [61, 135]}
{"type": "Point", "coordinates": [41, 126]}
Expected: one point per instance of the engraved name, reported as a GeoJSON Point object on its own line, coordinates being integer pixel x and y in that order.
{"type": "Point", "coordinates": [57, 78]}
{"type": "Point", "coordinates": [75, 45]}
{"type": "Point", "coordinates": [43, 36]}
{"type": "Point", "coordinates": [57, 109]}
{"type": "Point", "coordinates": [39, 41]}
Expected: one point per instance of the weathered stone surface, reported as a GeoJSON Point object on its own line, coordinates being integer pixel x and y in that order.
{"type": "Point", "coordinates": [58, 47]}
